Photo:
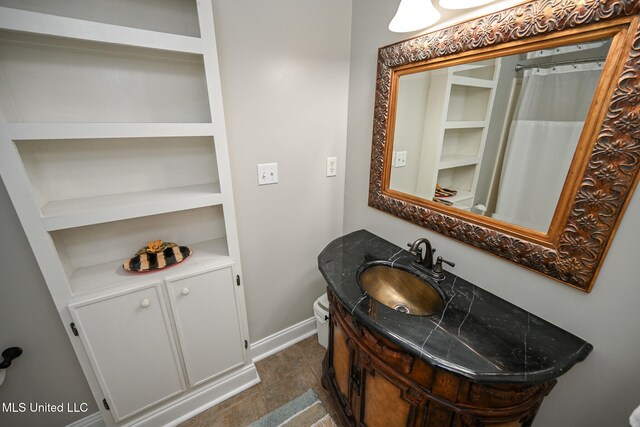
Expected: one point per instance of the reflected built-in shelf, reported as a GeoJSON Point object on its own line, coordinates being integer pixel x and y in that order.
{"type": "Point", "coordinates": [460, 197]}
{"type": "Point", "coordinates": [471, 66]}
{"type": "Point", "coordinates": [465, 124]}
{"type": "Point", "coordinates": [454, 161]}
{"type": "Point", "coordinates": [472, 82]}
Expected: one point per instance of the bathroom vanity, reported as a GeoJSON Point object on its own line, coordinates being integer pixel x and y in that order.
{"type": "Point", "coordinates": [477, 360]}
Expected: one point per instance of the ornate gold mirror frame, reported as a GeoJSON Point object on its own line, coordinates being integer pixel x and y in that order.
{"type": "Point", "coordinates": [605, 166]}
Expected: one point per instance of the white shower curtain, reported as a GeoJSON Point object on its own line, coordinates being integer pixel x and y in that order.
{"type": "Point", "coordinates": [542, 139]}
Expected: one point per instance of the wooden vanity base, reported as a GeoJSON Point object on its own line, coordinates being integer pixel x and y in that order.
{"type": "Point", "coordinates": [373, 383]}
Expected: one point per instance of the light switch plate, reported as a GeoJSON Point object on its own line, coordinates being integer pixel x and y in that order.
{"type": "Point", "coordinates": [332, 166]}
{"type": "Point", "coordinates": [267, 173]}
{"type": "Point", "coordinates": [399, 159]}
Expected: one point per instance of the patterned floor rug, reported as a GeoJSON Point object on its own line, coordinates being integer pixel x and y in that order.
{"type": "Point", "coordinates": [303, 411]}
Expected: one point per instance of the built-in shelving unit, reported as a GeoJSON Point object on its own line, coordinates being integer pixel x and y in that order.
{"type": "Point", "coordinates": [113, 135]}
{"type": "Point", "coordinates": [461, 100]}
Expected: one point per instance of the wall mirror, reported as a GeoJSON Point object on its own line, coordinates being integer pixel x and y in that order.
{"type": "Point", "coordinates": [517, 132]}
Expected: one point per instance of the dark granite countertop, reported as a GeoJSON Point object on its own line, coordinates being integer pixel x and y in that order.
{"type": "Point", "coordinates": [477, 335]}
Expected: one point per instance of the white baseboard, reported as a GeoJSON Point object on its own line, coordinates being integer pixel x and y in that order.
{"type": "Point", "coordinates": [93, 420]}
{"type": "Point", "coordinates": [280, 340]}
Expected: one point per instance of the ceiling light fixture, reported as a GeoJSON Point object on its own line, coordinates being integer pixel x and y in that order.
{"type": "Point", "coordinates": [462, 4]}
{"type": "Point", "coordinates": [413, 15]}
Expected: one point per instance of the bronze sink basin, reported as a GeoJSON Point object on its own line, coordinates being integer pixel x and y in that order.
{"type": "Point", "coordinates": [400, 290]}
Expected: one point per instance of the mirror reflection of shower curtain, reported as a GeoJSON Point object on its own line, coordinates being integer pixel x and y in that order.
{"type": "Point", "coordinates": [542, 139]}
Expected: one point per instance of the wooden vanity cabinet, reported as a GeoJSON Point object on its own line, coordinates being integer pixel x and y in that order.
{"type": "Point", "coordinates": [372, 382]}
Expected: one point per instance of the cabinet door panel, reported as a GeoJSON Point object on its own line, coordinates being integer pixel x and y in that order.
{"type": "Point", "coordinates": [341, 361]}
{"type": "Point", "coordinates": [205, 311]}
{"type": "Point", "coordinates": [127, 338]}
{"type": "Point", "coordinates": [382, 403]}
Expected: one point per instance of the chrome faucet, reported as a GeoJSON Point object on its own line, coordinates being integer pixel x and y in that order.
{"type": "Point", "coordinates": [415, 250]}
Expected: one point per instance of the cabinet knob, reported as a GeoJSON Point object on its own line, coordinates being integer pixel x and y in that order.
{"type": "Point", "coordinates": [145, 303]}
{"type": "Point", "coordinates": [185, 291]}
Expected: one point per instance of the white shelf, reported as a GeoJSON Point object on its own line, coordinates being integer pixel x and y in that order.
{"type": "Point", "coordinates": [473, 82]}
{"type": "Point", "coordinates": [58, 26]}
{"type": "Point", "coordinates": [454, 161]}
{"type": "Point", "coordinates": [472, 66]}
{"type": "Point", "coordinates": [465, 124]}
{"type": "Point", "coordinates": [206, 255]}
{"type": "Point", "coordinates": [460, 197]}
{"type": "Point", "coordinates": [37, 131]}
{"type": "Point", "coordinates": [62, 214]}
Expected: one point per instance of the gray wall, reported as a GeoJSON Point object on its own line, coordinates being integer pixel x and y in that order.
{"type": "Point", "coordinates": [413, 92]}
{"type": "Point", "coordinates": [603, 390]}
{"type": "Point", "coordinates": [285, 71]}
{"type": "Point", "coordinates": [48, 370]}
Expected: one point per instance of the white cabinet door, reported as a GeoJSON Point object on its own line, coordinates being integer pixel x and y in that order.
{"type": "Point", "coordinates": [128, 340]}
{"type": "Point", "coordinates": [206, 315]}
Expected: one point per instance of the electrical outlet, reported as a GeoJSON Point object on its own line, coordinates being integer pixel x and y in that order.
{"type": "Point", "coordinates": [399, 159]}
{"type": "Point", "coordinates": [267, 173]}
{"type": "Point", "coordinates": [332, 166]}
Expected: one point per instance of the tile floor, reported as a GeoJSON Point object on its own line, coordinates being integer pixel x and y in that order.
{"type": "Point", "coordinates": [285, 376]}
